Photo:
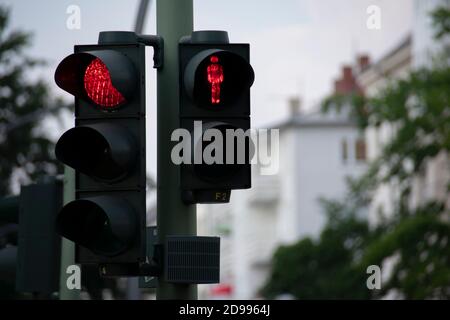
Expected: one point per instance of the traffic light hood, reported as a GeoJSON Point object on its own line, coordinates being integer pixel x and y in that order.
{"type": "Point", "coordinates": [103, 224]}
{"type": "Point", "coordinates": [105, 151]}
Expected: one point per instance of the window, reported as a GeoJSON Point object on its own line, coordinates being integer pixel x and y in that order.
{"type": "Point", "coordinates": [344, 150]}
{"type": "Point", "coordinates": [360, 150]}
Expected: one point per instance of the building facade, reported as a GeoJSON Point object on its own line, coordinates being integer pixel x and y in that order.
{"type": "Point", "coordinates": [416, 50]}
{"type": "Point", "coordinates": [394, 65]}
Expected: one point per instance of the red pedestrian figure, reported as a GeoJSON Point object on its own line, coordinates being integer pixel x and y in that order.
{"type": "Point", "coordinates": [215, 78]}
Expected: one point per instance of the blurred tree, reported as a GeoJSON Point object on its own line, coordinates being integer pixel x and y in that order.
{"type": "Point", "coordinates": [322, 269]}
{"type": "Point", "coordinates": [418, 247]}
{"type": "Point", "coordinates": [441, 22]}
{"type": "Point", "coordinates": [330, 267]}
{"type": "Point", "coordinates": [25, 152]}
{"type": "Point", "coordinates": [414, 239]}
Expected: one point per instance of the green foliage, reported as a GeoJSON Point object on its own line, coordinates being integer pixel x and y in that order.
{"type": "Point", "coordinates": [322, 269]}
{"type": "Point", "coordinates": [441, 22]}
{"type": "Point", "coordinates": [419, 243]}
{"type": "Point", "coordinates": [418, 107]}
{"type": "Point", "coordinates": [24, 104]}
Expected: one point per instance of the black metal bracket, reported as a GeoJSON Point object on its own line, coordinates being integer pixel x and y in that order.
{"type": "Point", "coordinates": [157, 43]}
{"type": "Point", "coordinates": [129, 37]}
{"type": "Point", "coordinates": [181, 259]}
{"type": "Point", "coordinates": [149, 268]}
{"type": "Point", "coordinates": [154, 266]}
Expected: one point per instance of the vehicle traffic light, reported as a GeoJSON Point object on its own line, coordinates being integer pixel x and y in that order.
{"type": "Point", "coordinates": [215, 80]}
{"type": "Point", "coordinates": [30, 248]}
{"type": "Point", "coordinates": [107, 219]}
{"type": "Point", "coordinates": [39, 246]}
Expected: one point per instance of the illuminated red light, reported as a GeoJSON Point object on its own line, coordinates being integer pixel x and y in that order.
{"type": "Point", "coordinates": [214, 59]}
{"type": "Point", "coordinates": [98, 85]}
{"type": "Point", "coordinates": [215, 78]}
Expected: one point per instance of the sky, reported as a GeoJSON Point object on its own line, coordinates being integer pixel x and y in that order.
{"type": "Point", "coordinates": [297, 47]}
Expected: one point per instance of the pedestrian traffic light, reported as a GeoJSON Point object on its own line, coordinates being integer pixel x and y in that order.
{"type": "Point", "coordinates": [107, 219]}
{"type": "Point", "coordinates": [215, 80]}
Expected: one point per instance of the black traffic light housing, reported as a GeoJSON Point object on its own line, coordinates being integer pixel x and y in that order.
{"type": "Point", "coordinates": [107, 219]}
{"type": "Point", "coordinates": [210, 64]}
{"type": "Point", "coordinates": [30, 248]}
{"type": "Point", "coordinates": [39, 246]}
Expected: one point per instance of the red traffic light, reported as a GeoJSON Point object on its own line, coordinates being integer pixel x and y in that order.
{"type": "Point", "coordinates": [104, 77]}
{"type": "Point", "coordinates": [99, 87]}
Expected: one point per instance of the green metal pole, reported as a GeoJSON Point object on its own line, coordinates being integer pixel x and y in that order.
{"type": "Point", "coordinates": [67, 246]}
{"type": "Point", "coordinates": [174, 19]}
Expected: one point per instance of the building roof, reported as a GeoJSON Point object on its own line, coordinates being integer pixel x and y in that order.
{"type": "Point", "coordinates": [332, 118]}
{"type": "Point", "coordinates": [394, 60]}
{"type": "Point", "coordinates": [404, 43]}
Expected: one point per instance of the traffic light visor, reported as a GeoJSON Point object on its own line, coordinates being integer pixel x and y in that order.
{"type": "Point", "coordinates": [104, 225]}
{"type": "Point", "coordinates": [104, 151]}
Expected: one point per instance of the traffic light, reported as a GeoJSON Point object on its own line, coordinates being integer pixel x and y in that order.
{"type": "Point", "coordinates": [215, 80]}
{"type": "Point", "coordinates": [107, 219]}
{"type": "Point", "coordinates": [30, 248]}
{"type": "Point", "coordinates": [39, 246]}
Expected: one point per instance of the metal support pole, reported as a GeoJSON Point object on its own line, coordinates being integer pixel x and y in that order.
{"type": "Point", "coordinates": [174, 19]}
{"type": "Point", "coordinates": [141, 15]}
{"type": "Point", "coordinates": [67, 246]}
